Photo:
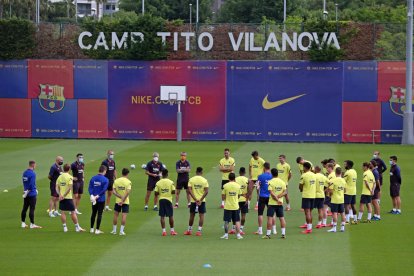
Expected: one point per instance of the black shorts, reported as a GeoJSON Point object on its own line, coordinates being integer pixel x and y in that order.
{"type": "Point", "coordinates": [78, 187]}
{"type": "Point", "coordinates": [337, 208]}
{"type": "Point", "coordinates": [365, 199]}
{"type": "Point", "coordinates": [110, 185]}
{"type": "Point", "coordinates": [244, 207]}
{"type": "Point", "coordinates": [395, 190]}
{"type": "Point", "coordinates": [201, 208]}
{"type": "Point", "coordinates": [231, 215]}
{"type": "Point", "coordinates": [165, 208]}
{"type": "Point", "coordinates": [53, 190]}
{"type": "Point", "coordinates": [376, 194]}
{"type": "Point", "coordinates": [307, 203]}
{"type": "Point", "coordinates": [224, 182]}
{"type": "Point", "coordinates": [67, 205]}
{"type": "Point", "coordinates": [327, 200]}
{"type": "Point", "coordinates": [263, 202]}
{"type": "Point", "coordinates": [124, 208]}
{"type": "Point", "coordinates": [318, 203]}
{"type": "Point", "coordinates": [350, 199]}
{"type": "Point", "coordinates": [182, 184]}
{"type": "Point", "coordinates": [275, 209]}
{"type": "Point", "coordinates": [151, 184]}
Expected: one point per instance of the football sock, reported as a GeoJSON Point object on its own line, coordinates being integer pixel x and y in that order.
{"type": "Point", "coordinates": [190, 228]}
{"type": "Point", "coordinates": [122, 228]}
{"type": "Point", "coordinates": [274, 229]}
{"type": "Point", "coordinates": [283, 231]}
{"type": "Point", "coordinates": [268, 232]}
{"type": "Point", "coordinates": [309, 226]}
{"type": "Point", "coordinates": [200, 228]}
{"type": "Point", "coordinates": [114, 228]}
{"type": "Point", "coordinates": [369, 216]}
{"type": "Point", "coordinates": [260, 230]}
{"type": "Point", "coordinates": [324, 221]}
{"type": "Point", "coordinates": [360, 215]}
{"type": "Point", "coordinates": [163, 230]}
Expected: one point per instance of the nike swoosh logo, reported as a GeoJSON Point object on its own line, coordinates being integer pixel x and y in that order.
{"type": "Point", "coordinates": [269, 105]}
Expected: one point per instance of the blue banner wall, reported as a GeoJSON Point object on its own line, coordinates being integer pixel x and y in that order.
{"type": "Point", "coordinates": [13, 79]}
{"type": "Point", "coordinates": [91, 79]}
{"type": "Point", "coordinates": [284, 101]}
{"type": "Point", "coordinates": [61, 124]}
{"type": "Point", "coordinates": [390, 120]}
{"type": "Point", "coordinates": [360, 81]}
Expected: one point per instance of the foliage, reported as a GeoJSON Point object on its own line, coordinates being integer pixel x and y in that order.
{"type": "Point", "coordinates": [17, 39]}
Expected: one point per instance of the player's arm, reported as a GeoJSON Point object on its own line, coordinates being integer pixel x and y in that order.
{"type": "Point", "coordinates": [190, 192]}
{"type": "Point", "coordinates": [177, 167]}
{"type": "Point", "coordinates": [188, 169]}
{"type": "Point", "coordinates": [74, 171]}
{"type": "Point", "coordinates": [126, 195]}
{"type": "Point", "coordinates": [377, 183]}
{"type": "Point", "coordinates": [32, 183]}
{"type": "Point", "coordinates": [383, 166]}
{"type": "Point", "coordinates": [289, 175]}
{"type": "Point", "coordinates": [115, 174]}
{"type": "Point", "coordinates": [116, 193]}
{"type": "Point", "coordinates": [104, 188]}
{"type": "Point", "coordinates": [173, 189]}
{"type": "Point", "coordinates": [250, 171]}
{"type": "Point", "coordinates": [301, 183]}
{"type": "Point", "coordinates": [204, 195]}
{"type": "Point", "coordinates": [90, 187]}
{"type": "Point", "coordinates": [147, 172]}
{"type": "Point", "coordinates": [367, 185]}
{"type": "Point", "coordinates": [272, 194]}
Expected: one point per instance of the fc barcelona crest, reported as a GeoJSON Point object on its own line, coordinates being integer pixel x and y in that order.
{"type": "Point", "coordinates": [51, 97]}
{"type": "Point", "coordinates": [397, 100]}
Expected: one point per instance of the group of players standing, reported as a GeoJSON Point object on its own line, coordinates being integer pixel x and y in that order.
{"type": "Point", "coordinates": [323, 187]}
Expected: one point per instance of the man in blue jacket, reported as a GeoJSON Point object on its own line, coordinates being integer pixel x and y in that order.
{"type": "Point", "coordinates": [97, 188]}
{"type": "Point", "coordinates": [29, 195]}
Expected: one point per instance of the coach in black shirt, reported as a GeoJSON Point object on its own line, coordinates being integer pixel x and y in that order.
{"type": "Point", "coordinates": [153, 169]}
{"type": "Point", "coordinates": [109, 163]}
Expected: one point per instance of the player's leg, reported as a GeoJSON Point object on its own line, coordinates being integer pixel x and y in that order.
{"type": "Point", "coordinates": [171, 221]}
{"type": "Point", "coordinates": [115, 220]}
{"type": "Point", "coordinates": [100, 211]}
{"type": "Point", "coordinates": [354, 211]}
{"type": "Point", "coordinates": [177, 197]}
{"type": "Point", "coordinates": [283, 226]}
{"type": "Point", "coordinates": [24, 211]}
{"type": "Point", "coordinates": [320, 217]}
{"type": "Point", "coordinates": [287, 200]}
{"type": "Point", "coordinates": [236, 222]}
{"type": "Point", "coordinates": [108, 199]}
{"type": "Point", "coordinates": [93, 216]}
{"type": "Point", "coordinates": [398, 203]}
{"type": "Point", "coordinates": [32, 208]}
{"type": "Point", "coordinates": [187, 194]}
{"type": "Point", "coordinates": [361, 207]}
{"type": "Point", "coordinates": [343, 221]}
{"type": "Point", "coordinates": [308, 213]}
{"type": "Point", "coordinates": [369, 208]}
{"type": "Point", "coordinates": [125, 211]}
{"type": "Point", "coordinates": [200, 224]}
{"type": "Point", "coordinates": [270, 214]}
{"type": "Point", "coordinates": [55, 205]}
{"type": "Point", "coordinates": [189, 230]}
{"type": "Point", "coordinates": [78, 198]}
{"type": "Point", "coordinates": [226, 220]}
{"type": "Point", "coordinates": [75, 221]}
{"type": "Point", "coordinates": [155, 202]}
{"type": "Point", "coordinates": [170, 214]}
{"type": "Point", "coordinates": [147, 196]}
{"type": "Point", "coordinates": [63, 219]}
{"type": "Point", "coordinates": [334, 209]}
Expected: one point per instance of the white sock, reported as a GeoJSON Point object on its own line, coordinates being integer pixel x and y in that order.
{"type": "Point", "coordinates": [76, 210]}
{"type": "Point", "coordinates": [122, 228]}
{"type": "Point", "coordinates": [360, 215]}
{"type": "Point", "coordinates": [190, 228]}
{"type": "Point", "coordinates": [394, 209]}
{"type": "Point", "coordinates": [163, 230]}
{"type": "Point", "coordinates": [399, 210]}
{"type": "Point", "coordinates": [369, 216]}
{"type": "Point", "coordinates": [241, 227]}
{"type": "Point", "coordinates": [283, 231]}
{"type": "Point", "coordinates": [268, 232]}
{"type": "Point", "coordinates": [155, 206]}
{"type": "Point", "coordinates": [274, 229]}
{"type": "Point", "coordinates": [200, 228]}
{"type": "Point", "coordinates": [226, 234]}
{"type": "Point", "coordinates": [355, 218]}
{"type": "Point", "coordinates": [319, 222]}
{"type": "Point", "coordinates": [288, 205]}
{"type": "Point", "coordinates": [324, 221]}
{"type": "Point", "coordinates": [260, 230]}
{"type": "Point", "coordinates": [309, 226]}
{"type": "Point", "coordinates": [64, 225]}
{"type": "Point", "coordinates": [172, 229]}
{"type": "Point", "coordinates": [222, 202]}
{"type": "Point", "coordinates": [347, 217]}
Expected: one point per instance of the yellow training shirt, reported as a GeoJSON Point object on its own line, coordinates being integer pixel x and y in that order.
{"type": "Point", "coordinates": [244, 184]}
{"type": "Point", "coordinates": [308, 180]}
{"type": "Point", "coordinates": [227, 163]}
{"type": "Point", "coordinates": [278, 186]}
{"type": "Point", "coordinates": [283, 172]}
{"type": "Point", "coordinates": [256, 167]}
{"type": "Point", "coordinates": [321, 183]}
{"type": "Point", "coordinates": [197, 184]}
{"type": "Point", "coordinates": [350, 177]}
{"type": "Point", "coordinates": [122, 185]}
{"type": "Point", "coordinates": [368, 176]}
{"type": "Point", "coordinates": [232, 192]}
{"type": "Point", "coordinates": [65, 182]}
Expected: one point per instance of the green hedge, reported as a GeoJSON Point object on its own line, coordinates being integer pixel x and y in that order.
{"type": "Point", "coordinates": [17, 39]}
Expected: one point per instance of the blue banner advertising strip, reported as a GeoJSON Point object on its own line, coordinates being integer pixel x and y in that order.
{"type": "Point", "coordinates": [48, 123]}
{"type": "Point", "coordinates": [13, 79]}
{"type": "Point", "coordinates": [284, 101]}
{"type": "Point", "coordinates": [391, 119]}
{"type": "Point", "coordinates": [91, 79]}
{"type": "Point", "coordinates": [360, 81]}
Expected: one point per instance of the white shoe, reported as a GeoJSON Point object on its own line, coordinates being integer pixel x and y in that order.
{"type": "Point", "coordinates": [274, 232]}
{"type": "Point", "coordinates": [92, 231]}
{"type": "Point", "coordinates": [97, 232]}
{"type": "Point", "coordinates": [225, 237]}
{"type": "Point", "coordinates": [51, 215]}
{"type": "Point", "coordinates": [113, 232]}
{"type": "Point", "coordinates": [122, 234]}
{"type": "Point", "coordinates": [65, 229]}
{"type": "Point", "coordinates": [34, 226]}
{"type": "Point", "coordinates": [56, 213]}
{"type": "Point", "coordinates": [80, 229]}
{"type": "Point", "coordinates": [70, 213]}
{"type": "Point", "coordinates": [333, 230]}
{"type": "Point", "coordinates": [107, 208]}
{"type": "Point", "coordinates": [239, 237]}
{"type": "Point", "coordinates": [77, 212]}
{"type": "Point", "coordinates": [24, 225]}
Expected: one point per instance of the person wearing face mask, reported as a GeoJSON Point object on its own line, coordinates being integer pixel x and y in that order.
{"type": "Point", "coordinates": [183, 169]}
{"type": "Point", "coordinates": [55, 171]}
{"type": "Point", "coordinates": [77, 168]}
{"type": "Point", "coordinates": [395, 183]}
{"type": "Point", "coordinates": [382, 167]}
{"type": "Point", "coordinates": [109, 163]}
{"type": "Point", "coordinates": [153, 169]}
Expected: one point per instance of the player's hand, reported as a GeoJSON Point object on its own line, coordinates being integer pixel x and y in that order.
{"type": "Point", "coordinates": [75, 178]}
{"type": "Point", "coordinates": [61, 198]}
{"type": "Point", "coordinates": [120, 203]}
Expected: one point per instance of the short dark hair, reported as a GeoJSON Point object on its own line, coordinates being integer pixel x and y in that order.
{"type": "Point", "coordinates": [199, 170]}
{"type": "Point", "coordinates": [255, 153]}
{"type": "Point", "coordinates": [266, 165]}
{"type": "Point", "coordinates": [242, 170]}
{"type": "Point", "coordinates": [324, 161]}
{"type": "Point", "coordinates": [66, 167]}
{"type": "Point", "coordinates": [298, 159]}
{"type": "Point", "coordinates": [125, 171]}
{"type": "Point", "coordinates": [31, 163]}
{"type": "Point", "coordinates": [307, 165]}
{"type": "Point", "coordinates": [331, 160]}
{"type": "Point", "coordinates": [165, 173]}
{"type": "Point", "coordinates": [226, 149]}
{"type": "Point", "coordinates": [349, 163]}
{"type": "Point", "coordinates": [317, 169]}
{"type": "Point", "coordinates": [102, 168]}
{"type": "Point", "coordinates": [393, 157]}
{"type": "Point", "coordinates": [79, 154]}
{"type": "Point", "coordinates": [330, 165]}
{"type": "Point", "coordinates": [365, 164]}
{"type": "Point", "coordinates": [283, 156]}
{"type": "Point", "coordinates": [274, 172]}
{"type": "Point", "coordinates": [373, 163]}
{"type": "Point", "coordinates": [338, 170]}
{"type": "Point", "coordinates": [232, 176]}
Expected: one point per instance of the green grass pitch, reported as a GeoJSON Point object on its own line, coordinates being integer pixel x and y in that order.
{"type": "Point", "coordinates": [381, 248]}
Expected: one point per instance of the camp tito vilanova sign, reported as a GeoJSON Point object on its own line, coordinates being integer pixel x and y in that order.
{"type": "Point", "coordinates": [243, 41]}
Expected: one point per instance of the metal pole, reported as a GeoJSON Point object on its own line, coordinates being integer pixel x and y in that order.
{"type": "Point", "coordinates": [324, 9]}
{"type": "Point", "coordinates": [143, 7]}
{"type": "Point", "coordinates": [284, 15]}
{"type": "Point", "coordinates": [408, 124]}
{"type": "Point", "coordinates": [191, 5]}
{"type": "Point", "coordinates": [197, 12]}
{"type": "Point", "coordinates": [37, 12]}
{"type": "Point", "coordinates": [336, 12]}
{"type": "Point", "coordinates": [10, 9]}
{"type": "Point", "coordinates": [76, 11]}
{"type": "Point", "coordinates": [179, 123]}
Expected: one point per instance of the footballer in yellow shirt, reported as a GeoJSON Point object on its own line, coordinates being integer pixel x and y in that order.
{"type": "Point", "coordinates": [64, 188]}
{"type": "Point", "coordinates": [321, 184]}
{"type": "Point", "coordinates": [285, 173]}
{"type": "Point", "coordinates": [350, 177]}
{"type": "Point", "coordinates": [230, 195]}
{"type": "Point", "coordinates": [122, 189]}
{"type": "Point", "coordinates": [336, 190]}
{"type": "Point", "coordinates": [255, 166]}
{"type": "Point", "coordinates": [243, 181]}
{"type": "Point", "coordinates": [300, 161]}
{"type": "Point", "coordinates": [307, 185]}
{"type": "Point", "coordinates": [226, 166]}
{"type": "Point", "coordinates": [165, 189]}
{"type": "Point", "coordinates": [198, 190]}
{"type": "Point", "coordinates": [368, 181]}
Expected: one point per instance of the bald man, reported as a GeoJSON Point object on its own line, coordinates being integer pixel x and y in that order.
{"type": "Point", "coordinates": [109, 163]}
{"type": "Point", "coordinates": [55, 171]}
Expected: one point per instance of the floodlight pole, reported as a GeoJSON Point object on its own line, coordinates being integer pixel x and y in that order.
{"type": "Point", "coordinates": [408, 124]}
{"type": "Point", "coordinates": [143, 7]}
{"type": "Point", "coordinates": [179, 123]}
{"type": "Point", "coordinates": [284, 15]}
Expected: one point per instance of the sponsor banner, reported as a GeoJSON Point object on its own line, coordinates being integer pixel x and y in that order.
{"type": "Point", "coordinates": [48, 123]}
{"type": "Point", "coordinates": [360, 81]}
{"type": "Point", "coordinates": [391, 81]}
{"type": "Point", "coordinates": [13, 79]}
{"type": "Point", "coordinates": [92, 119]}
{"type": "Point", "coordinates": [391, 123]}
{"type": "Point", "coordinates": [284, 101]}
{"type": "Point", "coordinates": [15, 118]}
{"type": "Point", "coordinates": [91, 79]}
{"type": "Point", "coordinates": [50, 80]}
{"type": "Point", "coordinates": [358, 121]}
{"type": "Point", "coordinates": [136, 111]}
